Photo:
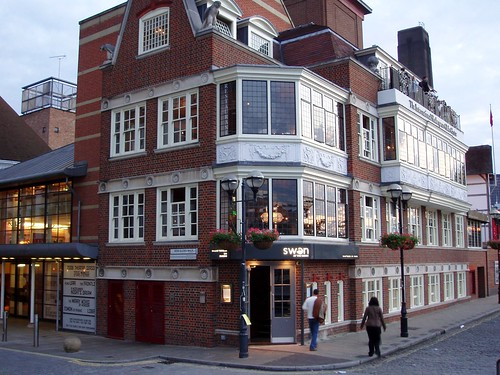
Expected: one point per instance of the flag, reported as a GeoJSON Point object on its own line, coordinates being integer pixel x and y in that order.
{"type": "Point", "coordinates": [491, 118]}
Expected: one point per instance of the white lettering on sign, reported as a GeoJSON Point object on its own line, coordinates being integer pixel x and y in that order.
{"type": "Point", "coordinates": [79, 271]}
{"type": "Point", "coordinates": [296, 252]}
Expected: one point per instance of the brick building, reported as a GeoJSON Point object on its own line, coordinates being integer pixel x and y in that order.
{"type": "Point", "coordinates": [177, 99]}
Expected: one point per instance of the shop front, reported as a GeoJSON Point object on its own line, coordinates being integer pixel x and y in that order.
{"type": "Point", "coordinates": [56, 282]}
{"type": "Point", "coordinates": [280, 278]}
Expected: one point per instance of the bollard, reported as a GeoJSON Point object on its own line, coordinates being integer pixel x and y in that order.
{"type": "Point", "coordinates": [4, 325]}
{"type": "Point", "coordinates": [36, 332]}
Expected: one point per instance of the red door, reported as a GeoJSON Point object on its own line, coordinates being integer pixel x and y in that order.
{"type": "Point", "coordinates": [115, 309]}
{"type": "Point", "coordinates": [150, 312]}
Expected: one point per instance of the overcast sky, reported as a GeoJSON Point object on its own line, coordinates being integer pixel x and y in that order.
{"type": "Point", "coordinates": [462, 34]}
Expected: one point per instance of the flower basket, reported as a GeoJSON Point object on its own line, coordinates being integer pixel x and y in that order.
{"type": "Point", "coordinates": [397, 241]}
{"type": "Point", "coordinates": [228, 245]}
{"type": "Point", "coordinates": [225, 239]}
{"type": "Point", "coordinates": [494, 244]}
{"type": "Point", "coordinates": [262, 238]}
{"type": "Point", "coordinates": [263, 245]}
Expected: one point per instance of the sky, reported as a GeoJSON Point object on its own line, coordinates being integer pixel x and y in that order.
{"type": "Point", "coordinates": [36, 34]}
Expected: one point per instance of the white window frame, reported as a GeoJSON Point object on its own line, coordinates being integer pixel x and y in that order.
{"type": "Point", "coordinates": [446, 223]}
{"type": "Point", "coordinates": [134, 220]}
{"type": "Point", "coordinates": [257, 42]}
{"type": "Point", "coordinates": [128, 132]}
{"type": "Point", "coordinates": [340, 301]}
{"type": "Point", "coordinates": [460, 231]}
{"type": "Point", "coordinates": [370, 218]}
{"type": "Point", "coordinates": [328, 298]}
{"type": "Point", "coordinates": [449, 286]}
{"type": "Point", "coordinates": [414, 222]}
{"type": "Point", "coordinates": [392, 217]}
{"type": "Point", "coordinates": [368, 137]}
{"type": "Point", "coordinates": [434, 289]}
{"type": "Point", "coordinates": [186, 216]}
{"type": "Point", "coordinates": [461, 284]}
{"type": "Point", "coordinates": [372, 288]}
{"type": "Point", "coordinates": [417, 291]}
{"type": "Point", "coordinates": [180, 119]}
{"type": "Point", "coordinates": [394, 294]}
{"type": "Point", "coordinates": [154, 30]}
{"type": "Point", "coordinates": [432, 228]}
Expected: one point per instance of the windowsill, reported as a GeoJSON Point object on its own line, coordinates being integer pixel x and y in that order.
{"type": "Point", "coordinates": [175, 242]}
{"type": "Point", "coordinates": [362, 158]}
{"type": "Point", "coordinates": [127, 156]}
{"type": "Point", "coordinates": [176, 147]}
{"type": "Point", "coordinates": [117, 244]}
{"type": "Point", "coordinates": [153, 52]}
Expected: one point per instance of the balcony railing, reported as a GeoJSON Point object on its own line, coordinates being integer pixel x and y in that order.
{"type": "Point", "coordinates": [401, 80]}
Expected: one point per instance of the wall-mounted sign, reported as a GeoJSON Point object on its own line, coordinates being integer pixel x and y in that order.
{"type": "Point", "coordinates": [183, 254]}
{"type": "Point", "coordinates": [79, 294]}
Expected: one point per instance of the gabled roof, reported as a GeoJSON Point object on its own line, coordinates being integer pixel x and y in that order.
{"type": "Point", "coordinates": [58, 163]}
{"type": "Point", "coordinates": [17, 140]}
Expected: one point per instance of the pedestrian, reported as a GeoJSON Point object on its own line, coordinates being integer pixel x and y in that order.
{"type": "Point", "coordinates": [374, 319]}
{"type": "Point", "coordinates": [313, 305]}
{"type": "Point", "coordinates": [424, 84]}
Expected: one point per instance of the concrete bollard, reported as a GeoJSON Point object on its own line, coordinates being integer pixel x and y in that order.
{"type": "Point", "coordinates": [72, 344]}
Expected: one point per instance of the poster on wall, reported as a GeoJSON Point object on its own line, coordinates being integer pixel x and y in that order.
{"type": "Point", "coordinates": [79, 297]}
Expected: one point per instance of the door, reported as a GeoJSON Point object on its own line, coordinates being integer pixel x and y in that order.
{"type": "Point", "coordinates": [283, 304]}
{"type": "Point", "coordinates": [260, 302]}
{"type": "Point", "coordinates": [150, 312]}
{"type": "Point", "coordinates": [481, 282]}
{"type": "Point", "coordinates": [115, 309]}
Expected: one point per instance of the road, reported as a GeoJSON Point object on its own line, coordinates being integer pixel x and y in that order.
{"type": "Point", "coordinates": [474, 349]}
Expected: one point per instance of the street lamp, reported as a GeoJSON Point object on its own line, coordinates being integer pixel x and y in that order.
{"type": "Point", "coordinates": [400, 197]}
{"type": "Point", "coordinates": [230, 184]}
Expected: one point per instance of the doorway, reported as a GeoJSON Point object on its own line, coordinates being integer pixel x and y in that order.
{"type": "Point", "coordinates": [272, 303]}
{"type": "Point", "coordinates": [150, 312]}
{"type": "Point", "coordinates": [115, 310]}
{"type": "Point", "coordinates": [481, 282]}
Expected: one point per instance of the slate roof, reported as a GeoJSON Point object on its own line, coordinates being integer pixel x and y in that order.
{"type": "Point", "coordinates": [55, 164]}
{"type": "Point", "coordinates": [18, 141]}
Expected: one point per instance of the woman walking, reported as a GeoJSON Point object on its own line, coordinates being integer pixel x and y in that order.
{"type": "Point", "coordinates": [374, 319]}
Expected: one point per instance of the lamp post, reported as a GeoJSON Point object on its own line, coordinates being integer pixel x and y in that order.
{"type": "Point", "coordinates": [400, 197]}
{"type": "Point", "coordinates": [230, 184]}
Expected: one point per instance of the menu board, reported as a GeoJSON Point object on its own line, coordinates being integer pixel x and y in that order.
{"type": "Point", "coordinates": [79, 297]}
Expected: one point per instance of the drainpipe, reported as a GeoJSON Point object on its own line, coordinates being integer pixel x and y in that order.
{"type": "Point", "coordinates": [32, 294]}
{"type": "Point", "coordinates": [2, 291]}
{"type": "Point", "coordinates": [79, 203]}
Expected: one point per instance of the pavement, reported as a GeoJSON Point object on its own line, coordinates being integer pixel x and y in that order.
{"type": "Point", "coordinates": [335, 352]}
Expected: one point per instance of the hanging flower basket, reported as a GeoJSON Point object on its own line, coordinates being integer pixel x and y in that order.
{"type": "Point", "coordinates": [397, 241]}
{"type": "Point", "coordinates": [494, 244]}
{"type": "Point", "coordinates": [225, 239]}
{"type": "Point", "coordinates": [228, 245]}
{"type": "Point", "coordinates": [262, 238]}
{"type": "Point", "coordinates": [263, 245]}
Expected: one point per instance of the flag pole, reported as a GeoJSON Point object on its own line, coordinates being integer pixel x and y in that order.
{"type": "Point", "coordinates": [493, 148]}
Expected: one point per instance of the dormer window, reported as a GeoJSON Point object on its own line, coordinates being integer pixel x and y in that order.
{"type": "Point", "coordinates": [260, 44]}
{"type": "Point", "coordinates": [154, 30]}
{"type": "Point", "coordinates": [223, 27]}
{"type": "Point", "coordinates": [258, 33]}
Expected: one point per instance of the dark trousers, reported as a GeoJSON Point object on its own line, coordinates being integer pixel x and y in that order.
{"type": "Point", "coordinates": [374, 339]}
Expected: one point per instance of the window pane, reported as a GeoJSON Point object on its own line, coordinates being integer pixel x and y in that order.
{"type": "Point", "coordinates": [254, 107]}
{"type": "Point", "coordinates": [283, 108]}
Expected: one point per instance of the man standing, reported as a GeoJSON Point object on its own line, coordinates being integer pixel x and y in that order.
{"type": "Point", "coordinates": [313, 322]}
